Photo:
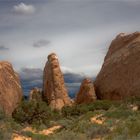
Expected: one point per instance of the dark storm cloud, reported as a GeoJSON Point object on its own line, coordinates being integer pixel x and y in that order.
{"type": "Point", "coordinates": [73, 82]}
{"type": "Point", "coordinates": [3, 48]}
{"type": "Point", "coordinates": [36, 74]}
{"type": "Point", "coordinates": [31, 74]}
{"type": "Point", "coordinates": [41, 43]}
{"type": "Point", "coordinates": [73, 77]}
{"type": "Point", "coordinates": [33, 77]}
{"type": "Point", "coordinates": [30, 78]}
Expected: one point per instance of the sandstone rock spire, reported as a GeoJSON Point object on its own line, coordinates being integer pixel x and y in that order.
{"type": "Point", "coordinates": [54, 89]}
{"type": "Point", "coordinates": [86, 93]}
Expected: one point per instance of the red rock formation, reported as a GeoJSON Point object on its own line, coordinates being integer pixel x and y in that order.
{"type": "Point", "coordinates": [10, 88]}
{"type": "Point", "coordinates": [119, 77]}
{"type": "Point", "coordinates": [86, 93]}
{"type": "Point", "coordinates": [53, 84]}
{"type": "Point", "coordinates": [35, 94]}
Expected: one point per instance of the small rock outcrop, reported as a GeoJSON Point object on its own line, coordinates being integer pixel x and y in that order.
{"type": "Point", "coordinates": [86, 93]}
{"type": "Point", "coordinates": [10, 88]}
{"type": "Point", "coordinates": [54, 89]}
{"type": "Point", "coordinates": [119, 77]}
{"type": "Point", "coordinates": [35, 94]}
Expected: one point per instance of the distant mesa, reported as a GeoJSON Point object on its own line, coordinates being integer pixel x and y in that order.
{"type": "Point", "coordinates": [119, 77]}
{"type": "Point", "coordinates": [86, 93]}
{"type": "Point", "coordinates": [54, 89]}
{"type": "Point", "coordinates": [10, 88]}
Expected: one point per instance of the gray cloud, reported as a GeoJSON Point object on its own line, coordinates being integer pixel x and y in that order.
{"type": "Point", "coordinates": [23, 8]}
{"type": "Point", "coordinates": [80, 31]}
{"type": "Point", "coordinates": [3, 48]}
{"type": "Point", "coordinates": [31, 74]}
{"type": "Point", "coordinates": [41, 43]}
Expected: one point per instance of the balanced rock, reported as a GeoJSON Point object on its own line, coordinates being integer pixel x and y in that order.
{"type": "Point", "coordinates": [54, 89]}
{"type": "Point", "coordinates": [119, 77]}
{"type": "Point", "coordinates": [86, 93]}
{"type": "Point", "coordinates": [35, 94]}
{"type": "Point", "coordinates": [10, 88]}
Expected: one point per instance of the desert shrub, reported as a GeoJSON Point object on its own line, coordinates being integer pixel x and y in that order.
{"type": "Point", "coordinates": [102, 105]}
{"type": "Point", "coordinates": [77, 110]}
{"type": "Point", "coordinates": [34, 136]}
{"type": "Point", "coordinates": [127, 129]}
{"type": "Point", "coordinates": [97, 131]}
{"type": "Point", "coordinates": [7, 126]}
{"type": "Point", "coordinates": [2, 114]}
{"type": "Point", "coordinates": [124, 137]}
{"type": "Point", "coordinates": [133, 125]}
{"type": "Point", "coordinates": [5, 134]}
{"type": "Point", "coordinates": [80, 126]}
{"type": "Point", "coordinates": [67, 135]}
{"type": "Point", "coordinates": [121, 112]}
{"type": "Point", "coordinates": [32, 112]}
{"type": "Point", "coordinates": [66, 123]}
{"type": "Point", "coordinates": [132, 100]}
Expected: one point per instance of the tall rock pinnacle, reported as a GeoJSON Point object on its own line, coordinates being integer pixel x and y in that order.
{"type": "Point", "coordinates": [54, 89]}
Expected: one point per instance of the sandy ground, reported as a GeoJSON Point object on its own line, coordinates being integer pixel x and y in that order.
{"type": "Point", "coordinates": [19, 137]}
{"type": "Point", "coordinates": [98, 119]}
{"type": "Point", "coordinates": [46, 132]}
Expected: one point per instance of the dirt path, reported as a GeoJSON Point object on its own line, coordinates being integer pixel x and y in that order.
{"type": "Point", "coordinates": [50, 130]}
{"type": "Point", "coordinates": [45, 132]}
{"type": "Point", "coordinates": [19, 137]}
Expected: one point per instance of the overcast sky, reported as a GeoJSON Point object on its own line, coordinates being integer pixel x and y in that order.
{"type": "Point", "coordinates": [79, 31]}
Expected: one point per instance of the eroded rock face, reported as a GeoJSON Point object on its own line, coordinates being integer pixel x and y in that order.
{"type": "Point", "coordinates": [86, 93]}
{"type": "Point", "coordinates": [35, 94]}
{"type": "Point", "coordinates": [10, 88]}
{"type": "Point", "coordinates": [53, 84]}
{"type": "Point", "coordinates": [119, 77]}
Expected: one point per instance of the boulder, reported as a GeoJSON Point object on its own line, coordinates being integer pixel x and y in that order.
{"type": "Point", "coordinates": [35, 94]}
{"type": "Point", "coordinates": [54, 89]}
{"type": "Point", "coordinates": [86, 93]}
{"type": "Point", "coordinates": [10, 88]}
{"type": "Point", "coordinates": [119, 77]}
